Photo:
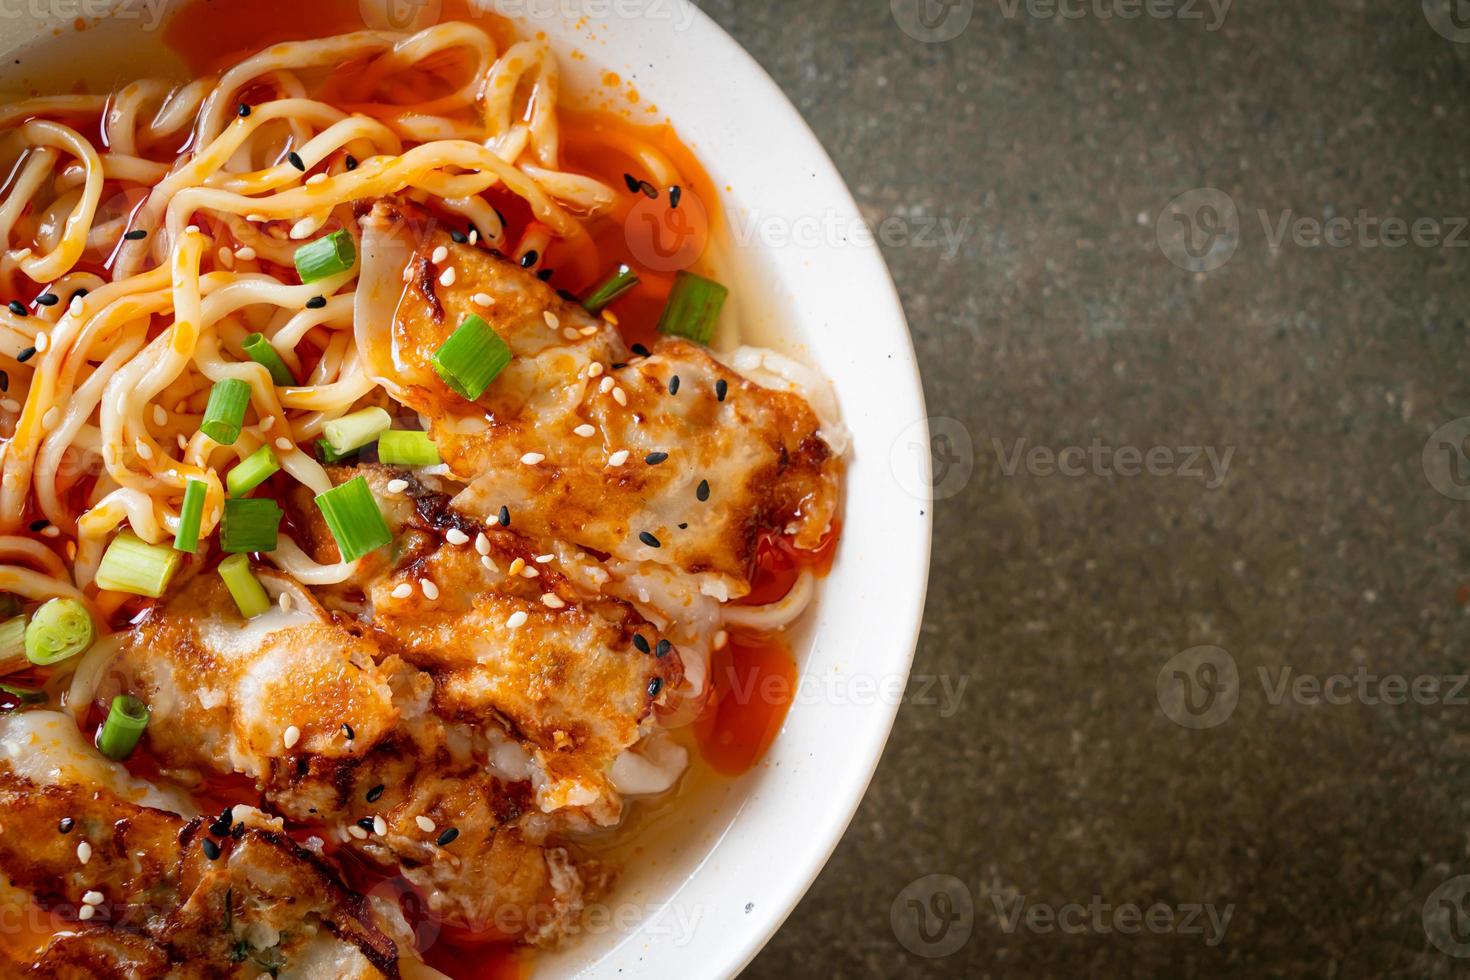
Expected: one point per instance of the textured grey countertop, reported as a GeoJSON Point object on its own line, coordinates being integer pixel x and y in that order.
{"type": "Point", "coordinates": [1287, 832]}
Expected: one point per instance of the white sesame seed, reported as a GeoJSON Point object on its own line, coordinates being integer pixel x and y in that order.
{"type": "Point", "coordinates": [485, 560]}
{"type": "Point", "coordinates": [408, 272]}
{"type": "Point", "coordinates": [531, 459]}
{"type": "Point", "coordinates": [50, 531]}
{"type": "Point", "coordinates": [357, 831]}
{"type": "Point", "coordinates": [588, 331]}
{"type": "Point", "coordinates": [721, 638]}
{"type": "Point", "coordinates": [552, 320]}
{"type": "Point", "coordinates": [595, 369]}
{"type": "Point", "coordinates": [52, 416]}
{"type": "Point", "coordinates": [145, 451]}
{"type": "Point", "coordinates": [286, 601]}
{"type": "Point", "coordinates": [569, 333]}
{"type": "Point", "coordinates": [552, 601]}
{"type": "Point", "coordinates": [315, 179]}
{"type": "Point", "coordinates": [530, 571]}
{"type": "Point", "coordinates": [75, 306]}
{"type": "Point", "coordinates": [585, 430]}
{"type": "Point", "coordinates": [618, 458]}
{"type": "Point", "coordinates": [92, 898]}
{"type": "Point", "coordinates": [245, 254]}
{"type": "Point", "coordinates": [474, 235]}
{"type": "Point", "coordinates": [268, 423]}
{"type": "Point", "coordinates": [517, 619]}
{"type": "Point", "coordinates": [84, 852]}
{"type": "Point", "coordinates": [425, 824]}
{"type": "Point", "coordinates": [397, 486]}
{"type": "Point", "coordinates": [455, 536]}
{"type": "Point", "coordinates": [86, 912]}
{"type": "Point", "coordinates": [439, 255]}
{"type": "Point", "coordinates": [446, 278]}
{"type": "Point", "coordinates": [380, 826]}
{"type": "Point", "coordinates": [43, 340]}
{"type": "Point", "coordinates": [160, 417]}
{"type": "Point", "coordinates": [482, 299]}
{"type": "Point", "coordinates": [257, 218]}
{"type": "Point", "coordinates": [183, 443]}
{"type": "Point", "coordinates": [610, 317]}
{"type": "Point", "coordinates": [303, 228]}
{"type": "Point", "coordinates": [516, 565]}
{"type": "Point", "coordinates": [482, 543]}
{"type": "Point", "coordinates": [431, 591]}
{"type": "Point", "coordinates": [620, 396]}
{"type": "Point", "coordinates": [225, 257]}
{"type": "Point", "coordinates": [402, 590]}
{"type": "Point", "coordinates": [291, 736]}
{"type": "Point", "coordinates": [285, 445]}
{"type": "Point", "coordinates": [606, 386]}
{"type": "Point", "coordinates": [543, 559]}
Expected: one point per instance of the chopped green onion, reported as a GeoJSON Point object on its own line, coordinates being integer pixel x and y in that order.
{"type": "Point", "coordinates": [191, 514]}
{"type": "Point", "coordinates": [249, 524]}
{"type": "Point", "coordinates": [225, 413]}
{"type": "Point", "coordinates": [61, 628]}
{"type": "Point", "coordinates": [25, 695]}
{"type": "Point", "coordinates": [471, 358]}
{"type": "Point", "coordinates": [353, 517]}
{"type": "Point", "coordinates": [356, 430]}
{"type": "Point", "coordinates": [616, 285]}
{"type": "Point", "coordinates": [402, 447]}
{"type": "Point", "coordinates": [246, 589]}
{"type": "Point", "coordinates": [252, 471]}
{"type": "Point", "coordinates": [13, 643]}
{"type": "Point", "coordinates": [325, 257]}
{"type": "Point", "coordinates": [259, 350]}
{"type": "Point", "coordinates": [126, 719]}
{"type": "Point", "coordinates": [135, 566]}
{"type": "Point", "coordinates": [327, 454]}
{"type": "Point", "coordinates": [693, 306]}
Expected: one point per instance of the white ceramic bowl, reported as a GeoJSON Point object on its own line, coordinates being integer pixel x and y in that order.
{"type": "Point", "coordinates": [719, 873]}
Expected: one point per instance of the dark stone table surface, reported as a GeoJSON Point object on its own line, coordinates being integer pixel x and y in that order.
{"type": "Point", "coordinates": [1202, 603]}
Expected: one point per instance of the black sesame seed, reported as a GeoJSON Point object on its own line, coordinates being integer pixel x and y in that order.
{"type": "Point", "coordinates": [458, 237]}
{"type": "Point", "coordinates": [702, 491]}
{"type": "Point", "coordinates": [17, 307]}
{"type": "Point", "coordinates": [504, 516]}
{"type": "Point", "coordinates": [295, 160]}
{"type": "Point", "coordinates": [211, 849]}
{"type": "Point", "coordinates": [568, 295]}
{"type": "Point", "coordinates": [654, 686]}
{"type": "Point", "coordinates": [366, 823]}
{"type": "Point", "coordinates": [375, 794]}
{"type": "Point", "coordinates": [79, 294]}
{"type": "Point", "coordinates": [39, 525]}
{"type": "Point", "coordinates": [663, 648]}
{"type": "Point", "coordinates": [649, 191]}
{"type": "Point", "coordinates": [348, 732]}
{"type": "Point", "coordinates": [683, 525]}
{"type": "Point", "coordinates": [303, 765]}
{"type": "Point", "coordinates": [4, 381]}
{"type": "Point", "coordinates": [617, 365]}
{"type": "Point", "coordinates": [66, 824]}
{"type": "Point", "coordinates": [648, 539]}
{"type": "Point", "coordinates": [640, 350]}
{"type": "Point", "coordinates": [136, 235]}
{"type": "Point", "coordinates": [48, 299]}
{"type": "Point", "coordinates": [641, 643]}
{"type": "Point", "coordinates": [238, 830]}
{"type": "Point", "coordinates": [221, 825]}
{"type": "Point", "coordinates": [26, 355]}
{"type": "Point", "coordinates": [653, 459]}
{"type": "Point", "coordinates": [447, 838]}
{"type": "Point", "coordinates": [351, 162]}
{"type": "Point", "coordinates": [243, 110]}
{"type": "Point", "coordinates": [721, 389]}
{"type": "Point", "coordinates": [316, 302]}
{"type": "Point", "coordinates": [544, 275]}
{"type": "Point", "coordinates": [674, 385]}
{"type": "Point", "coordinates": [529, 259]}
{"type": "Point", "coordinates": [675, 193]}
{"type": "Point", "coordinates": [632, 182]}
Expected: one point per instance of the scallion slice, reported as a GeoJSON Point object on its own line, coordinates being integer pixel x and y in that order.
{"type": "Point", "coordinates": [25, 695]}
{"type": "Point", "coordinates": [353, 517]}
{"type": "Point", "coordinates": [616, 285]}
{"type": "Point", "coordinates": [191, 514]}
{"type": "Point", "coordinates": [61, 628]}
{"type": "Point", "coordinates": [225, 413]}
{"type": "Point", "coordinates": [126, 719]}
{"type": "Point", "coordinates": [245, 588]}
{"type": "Point", "coordinates": [327, 454]}
{"type": "Point", "coordinates": [133, 565]}
{"type": "Point", "coordinates": [249, 524]}
{"type": "Point", "coordinates": [259, 350]}
{"type": "Point", "coordinates": [356, 430]}
{"type": "Point", "coordinates": [325, 257]}
{"type": "Point", "coordinates": [694, 305]}
{"type": "Point", "coordinates": [13, 643]}
{"type": "Point", "coordinates": [252, 471]}
{"type": "Point", "coordinates": [471, 358]}
{"type": "Point", "coordinates": [402, 447]}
